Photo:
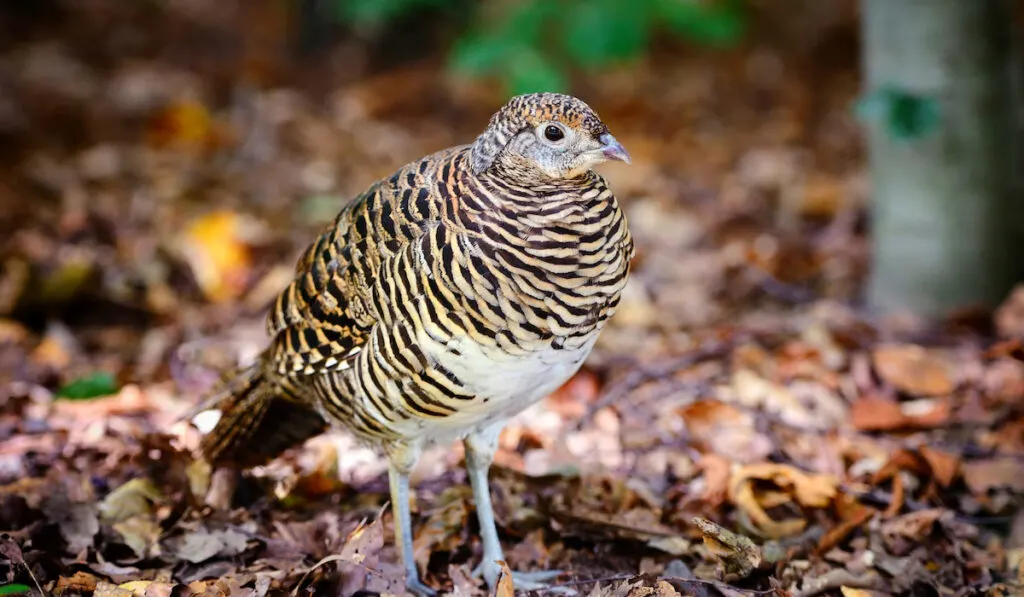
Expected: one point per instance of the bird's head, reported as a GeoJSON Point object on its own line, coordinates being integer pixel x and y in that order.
{"type": "Point", "coordinates": [542, 136]}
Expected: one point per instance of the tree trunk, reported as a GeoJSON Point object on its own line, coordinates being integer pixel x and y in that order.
{"type": "Point", "coordinates": [944, 213]}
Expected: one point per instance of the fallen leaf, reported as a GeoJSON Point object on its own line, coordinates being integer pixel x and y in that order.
{"type": "Point", "coordinates": [504, 588]}
{"type": "Point", "coordinates": [185, 124]}
{"type": "Point", "coordinates": [716, 471]}
{"type": "Point", "coordinates": [944, 466]}
{"type": "Point", "coordinates": [837, 534]}
{"type": "Point", "coordinates": [78, 520]}
{"type": "Point", "coordinates": [130, 499]}
{"type": "Point", "coordinates": [202, 544]}
{"type": "Point", "coordinates": [914, 525]}
{"type": "Point", "coordinates": [873, 413]}
{"type": "Point", "coordinates": [139, 533]}
{"type": "Point", "coordinates": [982, 476]}
{"type": "Point", "coordinates": [738, 555]}
{"type": "Point", "coordinates": [91, 386]}
{"type": "Point", "coordinates": [754, 391]}
{"type": "Point", "coordinates": [79, 582]}
{"type": "Point", "coordinates": [808, 490]}
{"type": "Point", "coordinates": [913, 370]}
{"type": "Point", "coordinates": [445, 522]}
{"type": "Point", "coordinates": [216, 251]}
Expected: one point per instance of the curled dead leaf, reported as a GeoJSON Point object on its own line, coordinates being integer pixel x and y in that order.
{"type": "Point", "coordinates": [505, 586]}
{"type": "Point", "coordinates": [747, 492]}
{"type": "Point", "coordinates": [738, 555]}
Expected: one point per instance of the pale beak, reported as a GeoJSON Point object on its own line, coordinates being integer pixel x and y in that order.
{"type": "Point", "coordinates": [611, 149]}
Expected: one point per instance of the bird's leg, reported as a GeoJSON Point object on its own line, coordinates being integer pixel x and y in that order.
{"type": "Point", "coordinates": [398, 480]}
{"type": "Point", "coordinates": [480, 448]}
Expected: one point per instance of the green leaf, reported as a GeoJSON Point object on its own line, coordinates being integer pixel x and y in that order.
{"type": "Point", "coordinates": [90, 386]}
{"type": "Point", "coordinates": [526, 24]}
{"type": "Point", "coordinates": [494, 49]}
{"type": "Point", "coordinates": [14, 589]}
{"type": "Point", "coordinates": [478, 55]}
{"type": "Point", "coordinates": [721, 23]}
{"type": "Point", "coordinates": [905, 115]}
{"type": "Point", "coordinates": [600, 31]}
{"type": "Point", "coordinates": [529, 71]}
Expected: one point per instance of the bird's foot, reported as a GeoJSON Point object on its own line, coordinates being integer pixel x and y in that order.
{"type": "Point", "coordinates": [536, 580]}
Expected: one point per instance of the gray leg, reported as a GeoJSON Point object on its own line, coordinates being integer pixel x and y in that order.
{"type": "Point", "coordinates": [398, 480]}
{"type": "Point", "coordinates": [480, 450]}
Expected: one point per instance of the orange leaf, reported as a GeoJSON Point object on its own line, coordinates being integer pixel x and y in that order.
{"type": "Point", "coordinates": [505, 588]}
{"type": "Point", "coordinates": [944, 465]}
{"type": "Point", "coordinates": [872, 413]}
{"type": "Point", "coordinates": [183, 124]}
{"type": "Point", "coordinates": [808, 490]}
{"type": "Point", "coordinates": [913, 370]}
{"type": "Point", "coordinates": [219, 258]}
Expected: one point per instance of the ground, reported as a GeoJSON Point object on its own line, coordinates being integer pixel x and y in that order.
{"type": "Point", "coordinates": [743, 427]}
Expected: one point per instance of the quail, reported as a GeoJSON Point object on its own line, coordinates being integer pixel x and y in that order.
{"type": "Point", "coordinates": [440, 303]}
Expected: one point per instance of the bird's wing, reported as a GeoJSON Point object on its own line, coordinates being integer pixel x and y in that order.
{"type": "Point", "coordinates": [323, 318]}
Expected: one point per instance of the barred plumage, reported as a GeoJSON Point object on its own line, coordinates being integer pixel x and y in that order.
{"type": "Point", "coordinates": [442, 301]}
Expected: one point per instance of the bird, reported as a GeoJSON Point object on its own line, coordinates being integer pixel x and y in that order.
{"type": "Point", "coordinates": [438, 304]}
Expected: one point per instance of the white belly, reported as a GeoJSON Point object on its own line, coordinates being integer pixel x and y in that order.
{"type": "Point", "coordinates": [504, 384]}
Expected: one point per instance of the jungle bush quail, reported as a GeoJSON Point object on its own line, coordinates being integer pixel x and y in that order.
{"type": "Point", "coordinates": [440, 303]}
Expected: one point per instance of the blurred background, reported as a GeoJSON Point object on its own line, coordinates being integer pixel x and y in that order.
{"type": "Point", "coordinates": [812, 180]}
{"type": "Point", "coordinates": [164, 162]}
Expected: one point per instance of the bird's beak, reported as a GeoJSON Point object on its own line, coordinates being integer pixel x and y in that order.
{"type": "Point", "coordinates": [611, 149]}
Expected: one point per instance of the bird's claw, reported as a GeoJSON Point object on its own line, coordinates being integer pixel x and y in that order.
{"type": "Point", "coordinates": [535, 580]}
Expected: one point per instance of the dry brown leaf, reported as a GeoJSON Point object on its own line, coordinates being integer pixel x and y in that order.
{"type": "Point", "coordinates": [738, 555]}
{"type": "Point", "coordinates": [914, 370]}
{"type": "Point", "coordinates": [716, 471]}
{"type": "Point", "coordinates": [914, 525]}
{"type": "Point", "coordinates": [808, 490]}
{"type": "Point", "coordinates": [505, 587]}
{"type": "Point", "coordinates": [872, 413]}
{"type": "Point", "coordinates": [982, 476]}
{"type": "Point", "coordinates": [838, 534]}
{"type": "Point", "coordinates": [725, 430]}
{"type": "Point", "coordinates": [444, 525]}
{"type": "Point", "coordinates": [80, 582]}
{"type": "Point", "coordinates": [944, 466]}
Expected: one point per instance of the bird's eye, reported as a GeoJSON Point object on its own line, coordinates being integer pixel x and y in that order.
{"type": "Point", "coordinates": [554, 133]}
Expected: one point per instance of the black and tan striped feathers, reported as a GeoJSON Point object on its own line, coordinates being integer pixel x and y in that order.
{"type": "Point", "coordinates": [449, 296]}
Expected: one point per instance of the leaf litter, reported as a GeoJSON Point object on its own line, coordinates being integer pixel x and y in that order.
{"type": "Point", "coordinates": [739, 430]}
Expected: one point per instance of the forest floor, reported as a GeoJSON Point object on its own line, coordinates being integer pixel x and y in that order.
{"type": "Point", "coordinates": [157, 185]}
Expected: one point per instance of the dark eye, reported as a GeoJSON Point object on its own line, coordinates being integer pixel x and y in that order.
{"type": "Point", "coordinates": [553, 133]}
